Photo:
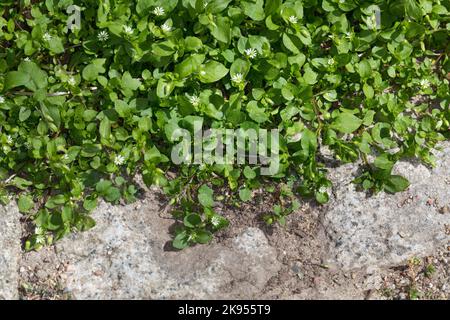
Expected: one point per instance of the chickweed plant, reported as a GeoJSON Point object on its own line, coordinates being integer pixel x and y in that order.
{"type": "Point", "coordinates": [96, 92]}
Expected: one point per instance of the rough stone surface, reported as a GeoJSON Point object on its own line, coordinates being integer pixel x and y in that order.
{"type": "Point", "coordinates": [341, 251]}
{"type": "Point", "coordinates": [384, 230]}
{"type": "Point", "coordinates": [124, 257]}
{"type": "Point", "coordinates": [10, 251]}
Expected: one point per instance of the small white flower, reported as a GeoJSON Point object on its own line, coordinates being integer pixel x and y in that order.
{"type": "Point", "coordinates": [237, 77]}
{"type": "Point", "coordinates": [38, 230]}
{"type": "Point", "coordinates": [103, 35]}
{"type": "Point", "coordinates": [349, 35]}
{"type": "Point", "coordinates": [65, 157]}
{"type": "Point", "coordinates": [331, 61]}
{"type": "Point", "coordinates": [251, 53]}
{"type": "Point", "coordinates": [2, 99]}
{"type": "Point", "coordinates": [72, 81]}
{"type": "Point", "coordinates": [293, 19]}
{"type": "Point", "coordinates": [158, 11]}
{"type": "Point", "coordinates": [194, 100]}
{"type": "Point", "coordinates": [40, 239]}
{"type": "Point", "coordinates": [128, 29]}
{"type": "Point", "coordinates": [119, 160]}
{"type": "Point", "coordinates": [215, 221]}
{"type": "Point", "coordinates": [47, 36]}
{"type": "Point", "coordinates": [27, 59]}
{"type": "Point", "coordinates": [166, 28]}
{"type": "Point", "coordinates": [9, 140]}
{"type": "Point", "coordinates": [424, 83]}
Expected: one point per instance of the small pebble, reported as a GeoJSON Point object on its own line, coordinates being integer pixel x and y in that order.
{"type": "Point", "coordinates": [444, 210]}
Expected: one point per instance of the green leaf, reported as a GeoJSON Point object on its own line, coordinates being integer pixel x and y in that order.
{"type": "Point", "coordinates": [254, 9]}
{"type": "Point", "coordinates": [164, 88]}
{"type": "Point", "coordinates": [102, 186]}
{"type": "Point", "coordinates": [212, 71]}
{"type": "Point", "coordinates": [122, 108]}
{"type": "Point", "coordinates": [381, 133]}
{"type": "Point", "coordinates": [292, 43]}
{"type": "Point", "coordinates": [256, 113]}
{"type": "Point", "coordinates": [216, 6]}
{"type": "Point", "coordinates": [203, 236]}
{"type": "Point", "coordinates": [364, 69]}
{"type": "Point", "coordinates": [189, 65]}
{"type": "Point", "coordinates": [38, 76]}
{"type": "Point", "coordinates": [144, 6]}
{"type": "Point", "coordinates": [396, 184]}
{"type": "Point", "coordinates": [249, 173]}
{"type": "Point", "coordinates": [67, 214]}
{"type": "Point", "coordinates": [92, 70]}
{"type": "Point", "coordinates": [20, 183]}
{"type": "Point", "coordinates": [55, 222]}
{"type": "Point", "coordinates": [221, 29]}
{"type": "Point", "coordinates": [368, 91]}
{"type": "Point", "coordinates": [145, 124]}
{"type": "Point", "coordinates": [309, 141]}
{"type": "Point", "coordinates": [90, 204]}
{"type": "Point", "coordinates": [368, 118]}
{"type": "Point", "coordinates": [25, 203]}
{"type": "Point", "coordinates": [128, 82]}
{"type": "Point", "coordinates": [346, 122]}
{"type": "Point", "coordinates": [192, 44]}
{"type": "Point", "coordinates": [192, 220]}
{"type": "Point", "coordinates": [272, 6]}
{"type": "Point", "coordinates": [413, 9]}
{"type": "Point", "coordinates": [28, 75]}
{"type": "Point", "coordinates": [310, 76]}
{"type": "Point", "coordinates": [24, 114]}
{"type": "Point", "coordinates": [240, 66]}
{"type": "Point", "coordinates": [55, 45]}
{"type": "Point", "coordinates": [181, 241]}
{"type": "Point", "coordinates": [112, 194]}
{"type": "Point", "coordinates": [305, 36]}
{"type": "Point", "coordinates": [105, 128]}
{"type": "Point", "coordinates": [383, 162]}
{"type": "Point", "coordinates": [330, 95]}
{"type": "Point", "coordinates": [322, 197]}
{"type": "Point", "coordinates": [55, 201]}
{"type": "Point", "coordinates": [52, 115]}
{"type": "Point", "coordinates": [400, 50]}
{"type": "Point", "coordinates": [17, 79]}
{"type": "Point", "coordinates": [205, 196]}
{"type": "Point", "coordinates": [163, 49]}
{"type": "Point", "coordinates": [245, 194]}
{"type": "Point", "coordinates": [86, 223]}
{"type": "Point", "coordinates": [90, 150]}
